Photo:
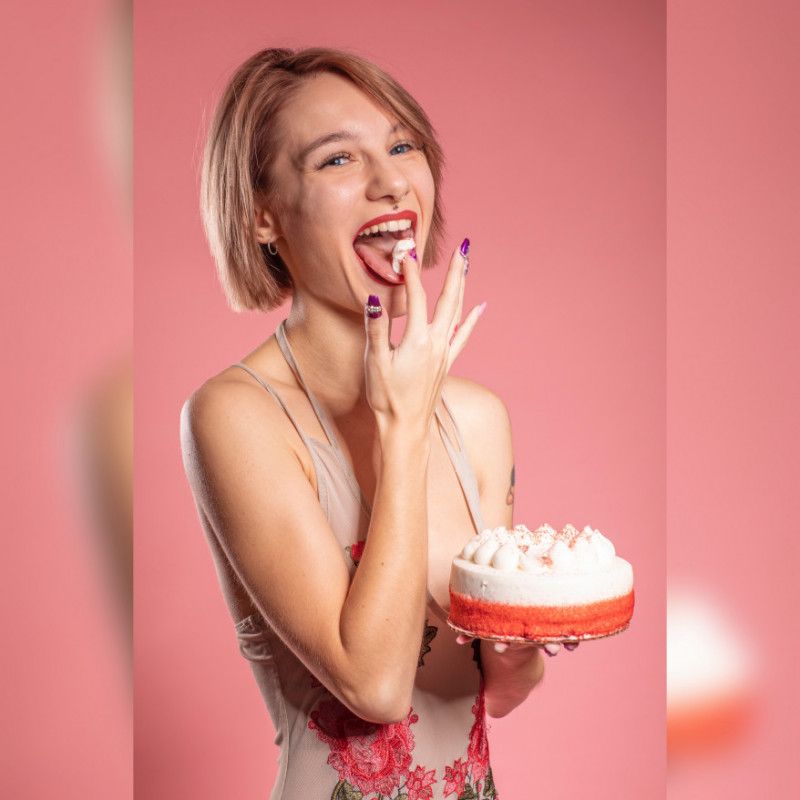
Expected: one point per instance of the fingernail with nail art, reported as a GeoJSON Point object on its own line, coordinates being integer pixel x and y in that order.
{"type": "Point", "coordinates": [374, 309]}
{"type": "Point", "coordinates": [464, 249]}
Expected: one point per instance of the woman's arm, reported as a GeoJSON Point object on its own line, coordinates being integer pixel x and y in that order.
{"type": "Point", "coordinates": [511, 674]}
{"type": "Point", "coordinates": [250, 483]}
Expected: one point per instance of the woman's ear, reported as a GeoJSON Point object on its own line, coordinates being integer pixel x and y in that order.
{"type": "Point", "coordinates": [265, 224]}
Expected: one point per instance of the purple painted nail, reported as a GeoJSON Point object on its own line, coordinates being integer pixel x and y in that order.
{"type": "Point", "coordinates": [464, 249]}
{"type": "Point", "coordinates": [413, 253]}
{"type": "Point", "coordinates": [374, 309]}
{"type": "Point", "coordinates": [570, 645]}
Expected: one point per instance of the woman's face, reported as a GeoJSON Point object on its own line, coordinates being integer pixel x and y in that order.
{"type": "Point", "coordinates": [328, 192]}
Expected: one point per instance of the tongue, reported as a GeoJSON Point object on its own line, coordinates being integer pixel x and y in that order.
{"type": "Point", "coordinates": [377, 252]}
{"type": "Point", "coordinates": [375, 258]}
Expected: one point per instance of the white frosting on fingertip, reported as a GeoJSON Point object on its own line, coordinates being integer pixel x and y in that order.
{"type": "Point", "coordinates": [399, 252]}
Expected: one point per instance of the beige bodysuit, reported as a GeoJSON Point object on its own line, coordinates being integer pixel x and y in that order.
{"type": "Point", "coordinates": [440, 750]}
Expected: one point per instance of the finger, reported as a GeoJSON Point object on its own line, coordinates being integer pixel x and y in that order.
{"type": "Point", "coordinates": [570, 645]}
{"type": "Point", "coordinates": [501, 647]}
{"type": "Point", "coordinates": [552, 648]}
{"type": "Point", "coordinates": [444, 315]}
{"type": "Point", "coordinates": [463, 333]}
{"type": "Point", "coordinates": [376, 324]}
{"type": "Point", "coordinates": [417, 305]}
{"type": "Point", "coordinates": [389, 333]}
{"type": "Point", "coordinates": [455, 324]}
{"type": "Point", "coordinates": [462, 639]}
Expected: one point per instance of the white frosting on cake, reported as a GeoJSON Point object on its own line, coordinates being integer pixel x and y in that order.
{"type": "Point", "coordinates": [546, 588]}
{"type": "Point", "coordinates": [541, 567]}
{"type": "Point", "coordinates": [542, 550]}
{"type": "Point", "coordinates": [399, 252]}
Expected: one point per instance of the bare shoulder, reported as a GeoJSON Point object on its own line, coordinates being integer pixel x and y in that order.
{"type": "Point", "coordinates": [475, 406]}
{"type": "Point", "coordinates": [229, 424]}
{"type": "Point", "coordinates": [484, 422]}
{"type": "Point", "coordinates": [227, 403]}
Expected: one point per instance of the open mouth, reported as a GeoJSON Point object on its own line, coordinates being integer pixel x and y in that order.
{"type": "Point", "coordinates": [376, 240]}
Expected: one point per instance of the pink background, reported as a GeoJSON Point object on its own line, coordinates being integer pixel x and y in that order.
{"type": "Point", "coordinates": [552, 121]}
{"type": "Point", "coordinates": [732, 360]}
{"type": "Point", "coordinates": [65, 316]}
{"type": "Point", "coordinates": [732, 395]}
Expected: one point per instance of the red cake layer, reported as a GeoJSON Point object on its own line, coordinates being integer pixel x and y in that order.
{"type": "Point", "coordinates": [532, 622]}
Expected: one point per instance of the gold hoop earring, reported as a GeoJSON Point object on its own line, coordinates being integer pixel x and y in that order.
{"type": "Point", "coordinates": [271, 251]}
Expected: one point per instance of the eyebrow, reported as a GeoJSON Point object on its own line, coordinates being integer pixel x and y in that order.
{"type": "Point", "coordinates": [337, 136]}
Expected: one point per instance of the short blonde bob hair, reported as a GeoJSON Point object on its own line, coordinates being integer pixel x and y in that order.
{"type": "Point", "coordinates": [240, 149]}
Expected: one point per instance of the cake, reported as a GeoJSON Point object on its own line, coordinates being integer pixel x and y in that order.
{"type": "Point", "coordinates": [543, 585]}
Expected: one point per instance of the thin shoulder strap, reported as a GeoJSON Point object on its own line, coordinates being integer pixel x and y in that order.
{"type": "Point", "coordinates": [279, 400]}
{"type": "Point", "coordinates": [464, 471]}
{"type": "Point", "coordinates": [283, 343]}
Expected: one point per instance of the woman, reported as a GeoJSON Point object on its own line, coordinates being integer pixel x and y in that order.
{"type": "Point", "coordinates": [332, 471]}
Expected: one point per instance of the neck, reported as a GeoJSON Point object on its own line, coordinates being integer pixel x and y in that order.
{"type": "Point", "coordinates": [329, 346]}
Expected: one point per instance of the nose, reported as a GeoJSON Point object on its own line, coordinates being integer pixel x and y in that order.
{"type": "Point", "coordinates": [387, 179]}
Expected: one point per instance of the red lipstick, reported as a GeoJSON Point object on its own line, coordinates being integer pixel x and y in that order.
{"type": "Point", "coordinates": [411, 215]}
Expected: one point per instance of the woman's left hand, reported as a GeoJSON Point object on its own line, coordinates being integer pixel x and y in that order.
{"type": "Point", "coordinates": [551, 648]}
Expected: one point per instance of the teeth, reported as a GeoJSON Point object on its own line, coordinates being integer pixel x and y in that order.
{"type": "Point", "coordinates": [392, 225]}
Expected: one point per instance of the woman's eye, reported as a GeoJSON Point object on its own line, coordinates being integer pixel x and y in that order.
{"type": "Point", "coordinates": [404, 144]}
{"type": "Point", "coordinates": [331, 162]}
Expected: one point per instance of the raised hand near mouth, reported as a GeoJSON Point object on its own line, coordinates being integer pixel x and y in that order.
{"type": "Point", "coordinates": [403, 383]}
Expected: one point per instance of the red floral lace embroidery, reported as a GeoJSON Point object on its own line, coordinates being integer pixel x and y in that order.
{"type": "Point", "coordinates": [478, 749]}
{"type": "Point", "coordinates": [368, 757]}
{"type": "Point", "coordinates": [420, 784]}
{"type": "Point", "coordinates": [455, 777]}
{"type": "Point", "coordinates": [472, 779]}
{"type": "Point", "coordinates": [375, 760]}
{"type": "Point", "coordinates": [356, 550]}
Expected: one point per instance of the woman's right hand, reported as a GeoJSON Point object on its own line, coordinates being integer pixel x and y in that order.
{"type": "Point", "coordinates": [404, 382]}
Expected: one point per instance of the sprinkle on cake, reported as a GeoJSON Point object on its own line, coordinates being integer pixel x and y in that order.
{"type": "Point", "coordinates": [542, 550]}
